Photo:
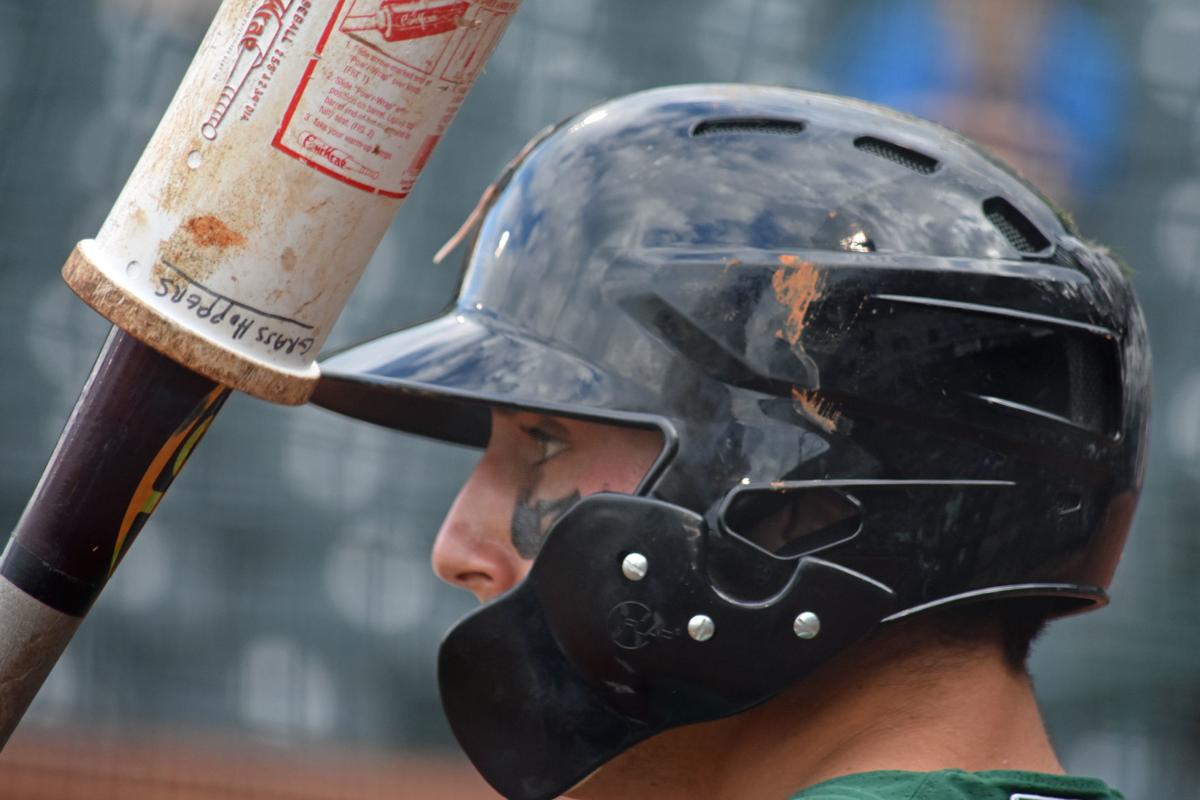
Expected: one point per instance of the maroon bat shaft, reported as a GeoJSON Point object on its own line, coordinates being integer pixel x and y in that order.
{"type": "Point", "coordinates": [137, 420]}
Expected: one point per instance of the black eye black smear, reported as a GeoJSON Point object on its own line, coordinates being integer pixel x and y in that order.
{"type": "Point", "coordinates": [532, 518]}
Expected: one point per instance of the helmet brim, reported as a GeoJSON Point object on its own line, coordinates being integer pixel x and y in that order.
{"type": "Point", "coordinates": [440, 378]}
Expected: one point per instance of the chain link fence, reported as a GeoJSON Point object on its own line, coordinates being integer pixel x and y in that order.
{"type": "Point", "coordinates": [282, 595]}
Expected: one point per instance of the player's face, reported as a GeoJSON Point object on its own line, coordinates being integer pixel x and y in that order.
{"type": "Point", "coordinates": [535, 467]}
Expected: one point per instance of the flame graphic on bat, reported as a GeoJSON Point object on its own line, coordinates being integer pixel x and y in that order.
{"type": "Point", "coordinates": [257, 41]}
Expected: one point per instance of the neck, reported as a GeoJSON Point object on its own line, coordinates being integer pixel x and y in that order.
{"type": "Point", "coordinates": [920, 708]}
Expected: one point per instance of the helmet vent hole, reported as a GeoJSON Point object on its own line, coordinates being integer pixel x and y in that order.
{"type": "Point", "coordinates": [1077, 373]}
{"type": "Point", "coordinates": [793, 521]}
{"type": "Point", "coordinates": [743, 125]}
{"type": "Point", "coordinates": [910, 159]}
{"type": "Point", "coordinates": [1015, 226]}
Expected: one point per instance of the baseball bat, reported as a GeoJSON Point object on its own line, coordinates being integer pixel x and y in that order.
{"type": "Point", "coordinates": [295, 135]}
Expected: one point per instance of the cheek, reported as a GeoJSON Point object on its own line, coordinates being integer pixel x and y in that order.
{"type": "Point", "coordinates": [579, 474]}
{"type": "Point", "coordinates": [616, 464]}
{"type": "Point", "coordinates": [521, 568]}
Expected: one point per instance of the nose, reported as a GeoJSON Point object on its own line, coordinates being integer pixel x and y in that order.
{"type": "Point", "coordinates": [473, 550]}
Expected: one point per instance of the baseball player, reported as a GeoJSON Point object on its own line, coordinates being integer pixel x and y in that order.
{"type": "Point", "coordinates": [801, 417]}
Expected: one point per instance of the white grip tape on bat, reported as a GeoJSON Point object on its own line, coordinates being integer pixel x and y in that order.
{"type": "Point", "coordinates": [296, 134]}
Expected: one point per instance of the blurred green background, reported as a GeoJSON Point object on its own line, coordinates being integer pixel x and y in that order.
{"type": "Point", "coordinates": [282, 592]}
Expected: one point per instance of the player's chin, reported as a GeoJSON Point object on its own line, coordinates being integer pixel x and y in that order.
{"type": "Point", "coordinates": [612, 778]}
{"type": "Point", "coordinates": [605, 781]}
{"type": "Point", "coordinates": [644, 768]}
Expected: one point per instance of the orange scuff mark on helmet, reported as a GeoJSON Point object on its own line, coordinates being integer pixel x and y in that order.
{"type": "Point", "coordinates": [798, 284]}
{"type": "Point", "coordinates": [796, 287]}
{"type": "Point", "coordinates": [811, 405]}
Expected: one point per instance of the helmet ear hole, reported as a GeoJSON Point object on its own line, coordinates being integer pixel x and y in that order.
{"type": "Point", "coordinates": [789, 521]}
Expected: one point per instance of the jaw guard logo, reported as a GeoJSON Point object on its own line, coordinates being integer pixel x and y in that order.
{"type": "Point", "coordinates": [633, 625]}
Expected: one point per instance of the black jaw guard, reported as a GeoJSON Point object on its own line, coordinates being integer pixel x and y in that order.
{"type": "Point", "coordinates": [578, 663]}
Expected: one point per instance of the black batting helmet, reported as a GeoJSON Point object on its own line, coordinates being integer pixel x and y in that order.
{"type": "Point", "coordinates": [890, 377]}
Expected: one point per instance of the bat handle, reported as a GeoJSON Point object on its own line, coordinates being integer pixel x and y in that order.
{"type": "Point", "coordinates": [137, 420]}
{"type": "Point", "coordinates": [34, 635]}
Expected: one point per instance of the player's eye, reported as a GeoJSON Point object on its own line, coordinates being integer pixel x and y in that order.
{"type": "Point", "coordinates": [548, 444]}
